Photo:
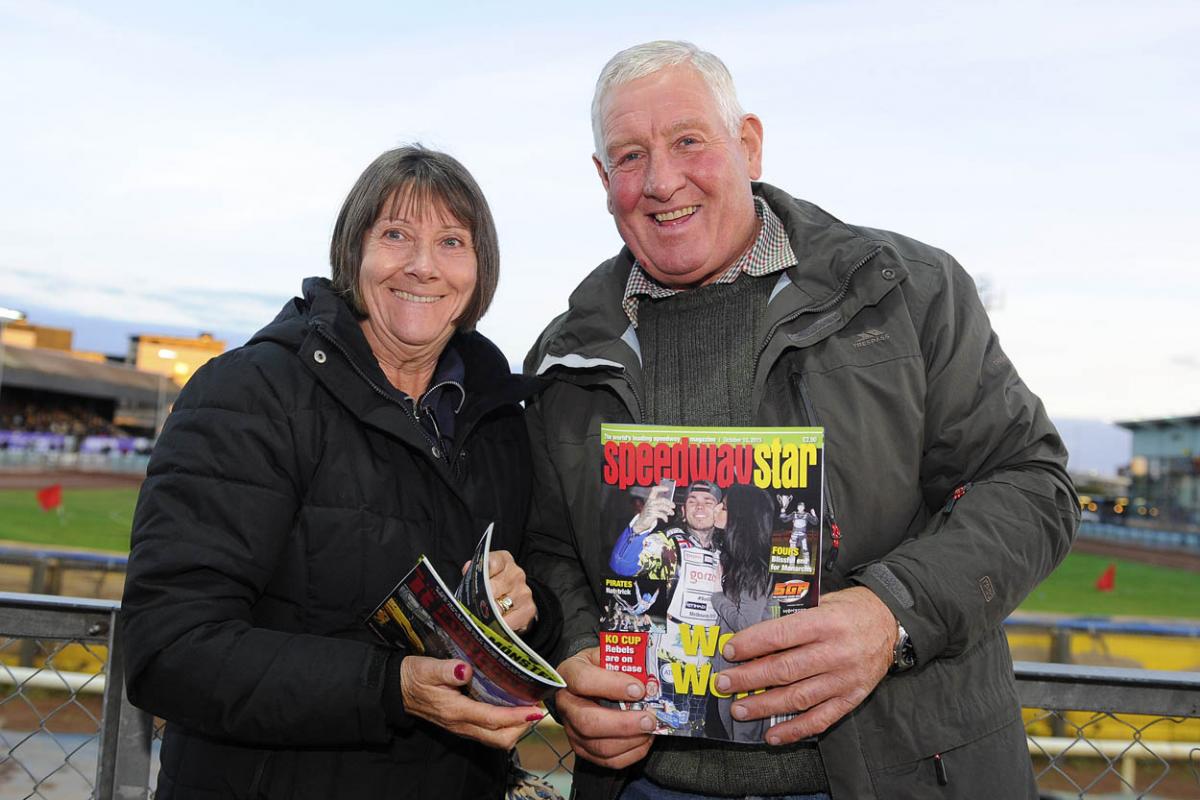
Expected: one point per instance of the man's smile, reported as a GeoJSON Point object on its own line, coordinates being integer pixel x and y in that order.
{"type": "Point", "coordinates": [668, 217]}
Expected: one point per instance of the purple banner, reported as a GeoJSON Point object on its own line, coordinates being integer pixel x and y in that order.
{"type": "Point", "coordinates": [31, 440]}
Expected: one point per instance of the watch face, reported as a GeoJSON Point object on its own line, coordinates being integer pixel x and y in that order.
{"type": "Point", "coordinates": [903, 656]}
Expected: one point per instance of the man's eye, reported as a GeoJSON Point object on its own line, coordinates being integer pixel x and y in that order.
{"type": "Point", "coordinates": [628, 158]}
{"type": "Point", "coordinates": [687, 141]}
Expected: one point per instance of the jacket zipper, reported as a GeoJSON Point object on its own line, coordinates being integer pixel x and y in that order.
{"type": "Point", "coordinates": [435, 446]}
{"type": "Point", "coordinates": [828, 304]}
{"type": "Point", "coordinates": [835, 533]}
{"type": "Point", "coordinates": [957, 495]}
{"type": "Point", "coordinates": [636, 397]}
{"type": "Point", "coordinates": [939, 769]}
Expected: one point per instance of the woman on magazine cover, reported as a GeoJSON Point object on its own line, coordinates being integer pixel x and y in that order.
{"type": "Point", "coordinates": [745, 593]}
{"type": "Point", "coordinates": [298, 478]}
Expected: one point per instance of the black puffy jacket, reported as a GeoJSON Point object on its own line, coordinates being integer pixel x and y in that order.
{"type": "Point", "coordinates": [287, 494]}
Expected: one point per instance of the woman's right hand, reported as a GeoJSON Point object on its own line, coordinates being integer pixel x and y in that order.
{"type": "Point", "coordinates": [432, 690]}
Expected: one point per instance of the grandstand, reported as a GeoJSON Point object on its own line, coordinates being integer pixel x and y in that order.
{"type": "Point", "coordinates": [52, 400]}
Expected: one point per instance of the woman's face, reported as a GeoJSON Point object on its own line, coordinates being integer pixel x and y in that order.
{"type": "Point", "coordinates": [418, 275]}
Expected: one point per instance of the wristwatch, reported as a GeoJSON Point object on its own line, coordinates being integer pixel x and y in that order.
{"type": "Point", "coordinates": [903, 657]}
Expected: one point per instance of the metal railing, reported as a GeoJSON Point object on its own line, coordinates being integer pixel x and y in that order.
{"type": "Point", "coordinates": [1142, 759]}
{"type": "Point", "coordinates": [67, 729]}
{"type": "Point", "coordinates": [78, 573]}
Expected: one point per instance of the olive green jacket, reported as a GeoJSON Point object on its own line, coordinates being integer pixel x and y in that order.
{"type": "Point", "coordinates": [883, 341]}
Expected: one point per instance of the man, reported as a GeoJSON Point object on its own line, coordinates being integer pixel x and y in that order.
{"type": "Point", "coordinates": [699, 519]}
{"type": "Point", "coordinates": [947, 500]}
{"type": "Point", "coordinates": [801, 520]}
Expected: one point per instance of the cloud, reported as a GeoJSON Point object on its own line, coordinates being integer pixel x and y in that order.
{"type": "Point", "coordinates": [1189, 361]}
{"type": "Point", "coordinates": [186, 164]}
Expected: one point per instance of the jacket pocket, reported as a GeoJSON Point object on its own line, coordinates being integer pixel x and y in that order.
{"type": "Point", "coordinates": [995, 766]}
{"type": "Point", "coordinates": [940, 706]}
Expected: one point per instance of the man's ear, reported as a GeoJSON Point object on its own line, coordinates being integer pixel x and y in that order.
{"type": "Point", "coordinates": [751, 136]}
{"type": "Point", "coordinates": [603, 173]}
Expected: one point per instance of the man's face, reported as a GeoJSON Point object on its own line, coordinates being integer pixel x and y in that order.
{"type": "Point", "coordinates": [700, 511]}
{"type": "Point", "coordinates": [678, 183]}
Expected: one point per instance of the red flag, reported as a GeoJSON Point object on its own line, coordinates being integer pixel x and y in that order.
{"type": "Point", "coordinates": [50, 497]}
{"type": "Point", "coordinates": [1108, 579]}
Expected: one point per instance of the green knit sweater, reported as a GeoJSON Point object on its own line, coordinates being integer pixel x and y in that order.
{"type": "Point", "coordinates": [699, 348]}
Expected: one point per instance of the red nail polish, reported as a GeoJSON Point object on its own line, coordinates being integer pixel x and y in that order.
{"type": "Point", "coordinates": [534, 717]}
{"type": "Point", "coordinates": [460, 672]}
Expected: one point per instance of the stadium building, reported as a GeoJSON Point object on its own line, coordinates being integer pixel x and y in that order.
{"type": "Point", "coordinates": [1165, 465]}
{"type": "Point", "coordinates": [55, 398]}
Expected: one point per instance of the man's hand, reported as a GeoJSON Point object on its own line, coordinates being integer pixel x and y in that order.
{"type": "Point", "coordinates": [606, 736]}
{"type": "Point", "coordinates": [432, 689]}
{"type": "Point", "coordinates": [821, 662]}
{"type": "Point", "coordinates": [658, 508]}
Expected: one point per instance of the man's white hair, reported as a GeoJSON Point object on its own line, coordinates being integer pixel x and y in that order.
{"type": "Point", "coordinates": [646, 59]}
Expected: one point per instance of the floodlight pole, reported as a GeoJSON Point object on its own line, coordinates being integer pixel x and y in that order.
{"type": "Point", "coordinates": [160, 418]}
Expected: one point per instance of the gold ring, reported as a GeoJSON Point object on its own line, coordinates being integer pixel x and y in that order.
{"type": "Point", "coordinates": [505, 604]}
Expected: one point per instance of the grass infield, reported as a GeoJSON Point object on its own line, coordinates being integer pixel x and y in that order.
{"type": "Point", "coordinates": [1140, 590]}
{"type": "Point", "coordinates": [100, 519]}
{"type": "Point", "coordinates": [94, 518]}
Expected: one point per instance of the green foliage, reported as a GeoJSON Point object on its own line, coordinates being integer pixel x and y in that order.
{"type": "Point", "coordinates": [1141, 590]}
{"type": "Point", "coordinates": [94, 518]}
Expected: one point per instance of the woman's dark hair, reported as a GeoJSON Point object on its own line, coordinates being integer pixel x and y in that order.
{"type": "Point", "coordinates": [414, 176]}
{"type": "Point", "coordinates": [746, 552]}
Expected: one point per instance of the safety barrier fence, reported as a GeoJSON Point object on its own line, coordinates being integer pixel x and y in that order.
{"type": "Point", "coordinates": [124, 463]}
{"type": "Point", "coordinates": [67, 729]}
{"type": "Point", "coordinates": [76, 573]}
{"type": "Point", "coordinates": [1186, 541]}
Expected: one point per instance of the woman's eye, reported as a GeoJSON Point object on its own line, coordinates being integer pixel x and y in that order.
{"type": "Point", "coordinates": [393, 234]}
{"type": "Point", "coordinates": [453, 241]}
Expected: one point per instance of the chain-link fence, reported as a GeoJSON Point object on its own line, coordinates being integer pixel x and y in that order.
{"type": "Point", "coordinates": [1105, 731]}
{"type": "Point", "coordinates": [67, 730]}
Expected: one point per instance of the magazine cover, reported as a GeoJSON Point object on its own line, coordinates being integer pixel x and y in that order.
{"type": "Point", "coordinates": [723, 530]}
{"type": "Point", "coordinates": [423, 615]}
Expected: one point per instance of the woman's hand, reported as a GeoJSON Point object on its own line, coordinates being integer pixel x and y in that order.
{"type": "Point", "coordinates": [508, 581]}
{"type": "Point", "coordinates": [432, 690]}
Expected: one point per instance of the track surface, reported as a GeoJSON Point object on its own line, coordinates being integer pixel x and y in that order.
{"type": "Point", "coordinates": [23, 479]}
{"type": "Point", "coordinates": [1159, 558]}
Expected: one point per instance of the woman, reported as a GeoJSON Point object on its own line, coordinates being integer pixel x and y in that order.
{"type": "Point", "coordinates": [298, 478]}
{"type": "Point", "coordinates": [745, 596]}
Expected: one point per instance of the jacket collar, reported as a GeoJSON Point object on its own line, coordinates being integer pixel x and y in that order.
{"type": "Point", "coordinates": [323, 331]}
{"type": "Point", "coordinates": [595, 334]}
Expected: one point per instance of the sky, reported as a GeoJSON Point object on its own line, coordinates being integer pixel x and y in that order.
{"type": "Point", "coordinates": [182, 164]}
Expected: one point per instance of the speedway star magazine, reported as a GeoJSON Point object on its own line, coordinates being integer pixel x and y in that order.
{"type": "Point", "coordinates": [722, 529]}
